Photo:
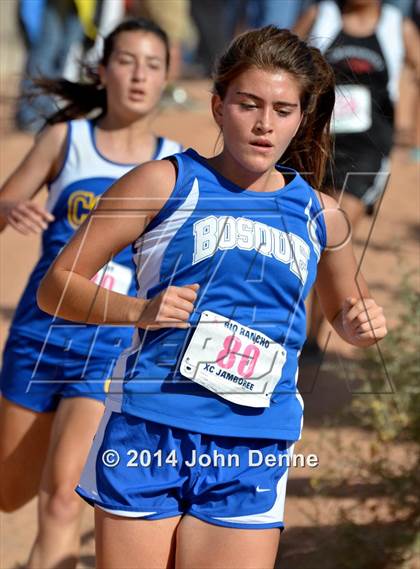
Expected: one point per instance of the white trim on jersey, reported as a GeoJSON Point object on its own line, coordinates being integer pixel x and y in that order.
{"type": "Point", "coordinates": [83, 160]}
{"type": "Point", "coordinates": [327, 25]}
{"type": "Point", "coordinates": [150, 250]}
{"type": "Point", "coordinates": [377, 188]}
{"type": "Point", "coordinates": [390, 37]}
{"type": "Point", "coordinates": [116, 385]}
{"type": "Point", "coordinates": [299, 398]}
{"type": "Point", "coordinates": [151, 247]}
{"type": "Point", "coordinates": [312, 234]}
{"type": "Point", "coordinates": [168, 148]}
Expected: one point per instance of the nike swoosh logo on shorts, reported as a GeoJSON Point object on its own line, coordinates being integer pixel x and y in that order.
{"type": "Point", "coordinates": [263, 489]}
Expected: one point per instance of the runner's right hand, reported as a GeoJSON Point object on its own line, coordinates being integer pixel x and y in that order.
{"type": "Point", "coordinates": [28, 217]}
{"type": "Point", "coordinates": [169, 309]}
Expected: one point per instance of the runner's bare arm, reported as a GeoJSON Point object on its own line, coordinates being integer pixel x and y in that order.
{"type": "Point", "coordinates": [412, 46]}
{"type": "Point", "coordinates": [40, 165]}
{"type": "Point", "coordinates": [120, 218]}
{"type": "Point", "coordinates": [347, 304]}
{"type": "Point", "coordinates": [305, 22]}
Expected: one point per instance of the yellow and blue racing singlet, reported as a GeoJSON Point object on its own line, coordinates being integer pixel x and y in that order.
{"type": "Point", "coordinates": [85, 175]}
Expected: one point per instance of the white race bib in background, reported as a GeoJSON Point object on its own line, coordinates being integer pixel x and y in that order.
{"type": "Point", "coordinates": [352, 109]}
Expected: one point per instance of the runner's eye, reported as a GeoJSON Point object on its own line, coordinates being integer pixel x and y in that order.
{"type": "Point", "coordinates": [283, 113]}
{"type": "Point", "coordinates": [155, 66]}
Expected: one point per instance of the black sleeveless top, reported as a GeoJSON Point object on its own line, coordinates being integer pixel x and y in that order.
{"type": "Point", "coordinates": [362, 78]}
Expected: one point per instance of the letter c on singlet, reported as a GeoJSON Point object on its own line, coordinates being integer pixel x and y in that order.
{"type": "Point", "coordinates": [80, 203]}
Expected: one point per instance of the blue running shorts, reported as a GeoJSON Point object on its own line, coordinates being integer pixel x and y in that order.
{"type": "Point", "coordinates": [37, 375]}
{"type": "Point", "coordinates": [141, 469]}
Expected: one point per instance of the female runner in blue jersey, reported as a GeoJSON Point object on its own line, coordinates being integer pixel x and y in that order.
{"type": "Point", "coordinates": [54, 373]}
{"type": "Point", "coordinates": [203, 409]}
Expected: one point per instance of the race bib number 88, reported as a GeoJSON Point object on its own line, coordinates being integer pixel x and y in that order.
{"type": "Point", "coordinates": [238, 363]}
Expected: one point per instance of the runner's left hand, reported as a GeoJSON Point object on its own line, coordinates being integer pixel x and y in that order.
{"type": "Point", "coordinates": [363, 321]}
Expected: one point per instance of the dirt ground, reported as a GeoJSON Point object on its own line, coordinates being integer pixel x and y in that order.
{"type": "Point", "coordinates": [393, 248]}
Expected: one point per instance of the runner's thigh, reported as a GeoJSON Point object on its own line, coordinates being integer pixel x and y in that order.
{"type": "Point", "coordinates": [24, 439]}
{"type": "Point", "coordinates": [74, 427]}
{"type": "Point", "coordinates": [206, 546]}
{"type": "Point", "coordinates": [134, 543]}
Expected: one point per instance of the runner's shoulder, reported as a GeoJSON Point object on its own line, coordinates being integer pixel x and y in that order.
{"type": "Point", "coordinates": [52, 135]}
{"type": "Point", "coordinates": [336, 221]}
{"type": "Point", "coordinates": [156, 179]}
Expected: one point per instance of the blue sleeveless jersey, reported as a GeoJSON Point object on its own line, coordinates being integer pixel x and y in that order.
{"type": "Point", "coordinates": [84, 176]}
{"type": "Point", "coordinates": [255, 257]}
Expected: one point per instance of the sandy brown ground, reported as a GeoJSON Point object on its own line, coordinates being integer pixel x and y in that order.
{"type": "Point", "coordinates": [393, 249]}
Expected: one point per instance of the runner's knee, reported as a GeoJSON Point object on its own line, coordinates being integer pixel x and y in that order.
{"type": "Point", "coordinates": [63, 505]}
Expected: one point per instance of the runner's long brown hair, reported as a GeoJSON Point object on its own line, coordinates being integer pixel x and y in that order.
{"type": "Point", "coordinates": [84, 97]}
{"type": "Point", "coordinates": [271, 48]}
